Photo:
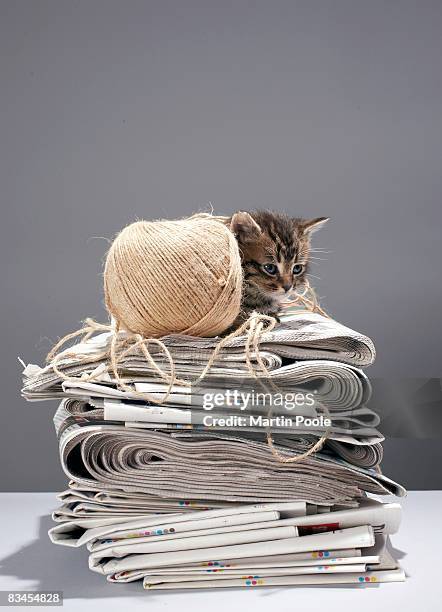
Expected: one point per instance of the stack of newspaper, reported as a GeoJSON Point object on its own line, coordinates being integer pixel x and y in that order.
{"type": "Point", "coordinates": [175, 494]}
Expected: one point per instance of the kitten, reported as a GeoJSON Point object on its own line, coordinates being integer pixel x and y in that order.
{"type": "Point", "coordinates": [274, 251]}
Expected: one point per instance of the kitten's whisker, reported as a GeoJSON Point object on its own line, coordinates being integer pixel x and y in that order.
{"type": "Point", "coordinates": [318, 258]}
{"type": "Point", "coordinates": [313, 276]}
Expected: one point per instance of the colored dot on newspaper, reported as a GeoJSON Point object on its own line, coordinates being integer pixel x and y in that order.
{"type": "Point", "coordinates": [181, 503]}
{"type": "Point", "coordinates": [260, 581]}
{"type": "Point", "coordinates": [314, 555]}
{"type": "Point", "coordinates": [373, 579]}
{"type": "Point", "coordinates": [186, 503]}
{"type": "Point", "coordinates": [248, 583]}
{"type": "Point", "coordinates": [256, 577]}
{"type": "Point", "coordinates": [361, 578]}
{"type": "Point", "coordinates": [367, 579]}
{"type": "Point", "coordinates": [320, 567]}
{"type": "Point", "coordinates": [216, 563]}
{"type": "Point", "coordinates": [210, 563]}
{"type": "Point", "coordinates": [253, 581]}
{"type": "Point", "coordinates": [159, 531]}
{"type": "Point", "coordinates": [327, 554]}
{"type": "Point", "coordinates": [321, 554]}
{"type": "Point", "coordinates": [166, 531]}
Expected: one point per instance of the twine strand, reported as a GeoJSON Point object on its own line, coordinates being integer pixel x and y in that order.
{"type": "Point", "coordinates": [254, 328]}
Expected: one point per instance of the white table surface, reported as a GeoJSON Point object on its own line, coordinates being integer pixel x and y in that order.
{"type": "Point", "coordinates": [28, 561]}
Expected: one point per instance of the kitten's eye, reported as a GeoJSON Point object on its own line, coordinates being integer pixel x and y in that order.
{"type": "Point", "coordinates": [297, 269]}
{"type": "Point", "coordinates": [270, 268]}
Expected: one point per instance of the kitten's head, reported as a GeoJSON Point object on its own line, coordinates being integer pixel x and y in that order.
{"type": "Point", "coordinates": [274, 249]}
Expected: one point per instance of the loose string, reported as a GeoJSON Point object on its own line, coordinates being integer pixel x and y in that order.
{"type": "Point", "coordinates": [253, 340]}
{"type": "Point", "coordinates": [135, 341]}
{"type": "Point", "coordinates": [254, 328]}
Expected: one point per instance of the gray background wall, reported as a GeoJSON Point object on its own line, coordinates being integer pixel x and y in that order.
{"type": "Point", "coordinates": [116, 110]}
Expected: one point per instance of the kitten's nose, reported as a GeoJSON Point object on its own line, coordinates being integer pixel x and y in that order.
{"type": "Point", "coordinates": [287, 287]}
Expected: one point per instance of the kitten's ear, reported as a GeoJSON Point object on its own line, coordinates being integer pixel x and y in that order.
{"type": "Point", "coordinates": [244, 227]}
{"type": "Point", "coordinates": [312, 226]}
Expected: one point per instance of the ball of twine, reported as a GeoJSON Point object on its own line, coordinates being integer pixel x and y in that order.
{"type": "Point", "coordinates": [164, 277]}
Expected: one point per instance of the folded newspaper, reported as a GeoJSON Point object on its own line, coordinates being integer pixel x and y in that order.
{"type": "Point", "coordinates": [158, 495]}
{"type": "Point", "coordinates": [301, 336]}
{"type": "Point", "coordinates": [248, 545]}
{"type": "Point", "coordinates": [206, 465]}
